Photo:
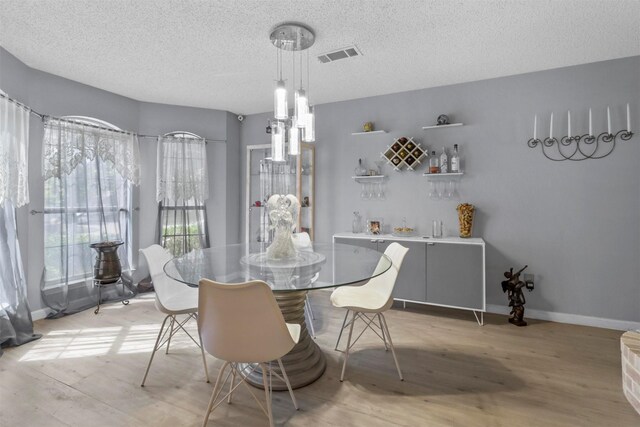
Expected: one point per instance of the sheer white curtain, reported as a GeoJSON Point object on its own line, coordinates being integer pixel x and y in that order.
{"type": "Point", "coordinates": [88, 173]}
{"type": "Point", "coordinates": [16, 326]}
{"type": "Point", "coordinates": [181, 190]}
{"type": "Point", "coordinates": [14, 149]}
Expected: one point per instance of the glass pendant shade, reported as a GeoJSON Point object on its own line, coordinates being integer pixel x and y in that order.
{"type": "Point", "coordinates": [294, 140]}
{"type": "Point", "coordinates": [277, 142]}
{"type": "Point", "coordinates": [280, 108]}
{"type": "Point", "coordinates": [310, 126]}
{"type": "Point", "coordinates": [301, 106]}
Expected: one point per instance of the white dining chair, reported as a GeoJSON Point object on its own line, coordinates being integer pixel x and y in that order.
{"type": "Point", "coordinates": [242, 324]}
{"type": "Point", "coordinates": [302, 242]}
{"type": "Point", "coordinates": [172, 299]}
{"type": "Point", "coordinates": [369, 302]}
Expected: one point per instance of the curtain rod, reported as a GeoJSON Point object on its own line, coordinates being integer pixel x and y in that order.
{"type": "Point", "coordinates": [43, 117]}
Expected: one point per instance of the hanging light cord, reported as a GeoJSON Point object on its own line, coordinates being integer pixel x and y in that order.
{"type": "Point", "coordinates": [301, 69]}
{"type": "Point", "coordinates": [293, 64]}
{"type": "Point", "coordinates": [308, 79]}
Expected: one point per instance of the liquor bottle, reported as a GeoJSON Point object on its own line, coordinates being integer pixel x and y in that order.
{"type": "Point", "coordinates": [360, 170]}
{"type": "Point", "coordinates": [455, 159]}
{"type": "Point", "coordinates": [444, 161]}
{"type": "Point", "coordinates": [434, 166]}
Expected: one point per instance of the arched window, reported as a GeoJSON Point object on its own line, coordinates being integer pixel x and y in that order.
{"type": "Point", "coordinates": [182, 222]}
{"type": "Point", "coordinates": [92, 121]}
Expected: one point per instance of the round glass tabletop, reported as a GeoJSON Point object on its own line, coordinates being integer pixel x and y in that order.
{"type": "Point", "coordinates": [319, 266]}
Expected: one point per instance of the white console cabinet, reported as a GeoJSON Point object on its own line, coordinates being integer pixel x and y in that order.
{"type": "Point", "coordinates": [447, 272]}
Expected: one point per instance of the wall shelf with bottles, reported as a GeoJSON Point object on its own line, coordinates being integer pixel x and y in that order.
{"type": "Point", "coordinates": [373, 132]}
{"type": "Point", "coordinates": [450, 125]}
{"type": "Point", "coordinates": [448, 175]}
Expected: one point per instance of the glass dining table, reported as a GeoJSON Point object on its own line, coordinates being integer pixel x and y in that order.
{"type": "Point", "coordinates": [320, 266]}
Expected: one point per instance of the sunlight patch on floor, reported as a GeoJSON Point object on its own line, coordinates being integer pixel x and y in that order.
{"type": "Point", "coordinates": [92, 342]}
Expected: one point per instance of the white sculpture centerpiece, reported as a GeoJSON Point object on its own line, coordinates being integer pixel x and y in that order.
{"type": "Point", "coordinates": [283, 216]}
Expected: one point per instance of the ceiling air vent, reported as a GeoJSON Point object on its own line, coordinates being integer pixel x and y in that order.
{"type": "Point", "coordinates": [346, 52]}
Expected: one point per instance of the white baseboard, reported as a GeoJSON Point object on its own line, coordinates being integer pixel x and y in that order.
{"type": "Point", "coordinates": [40, 314]}
{"type": "Point", "coordinates": [574, 319]}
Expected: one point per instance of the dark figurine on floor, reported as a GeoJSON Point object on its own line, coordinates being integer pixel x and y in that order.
{"type": "Point", "coordinates": [513, 287]}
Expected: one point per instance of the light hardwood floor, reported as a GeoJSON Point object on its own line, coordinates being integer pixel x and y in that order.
{"type": "Point", "coordinates": [86, 371]}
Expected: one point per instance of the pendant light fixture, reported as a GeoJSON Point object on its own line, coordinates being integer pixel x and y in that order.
{"type": "Point", "coordinates": [299, 127]}
{"type": "Point", "coordinates": [278, 142]}
{"type": "Point", "coordinates": [310, 126]}
{"type": "Point", "coordinates": [280, 108]}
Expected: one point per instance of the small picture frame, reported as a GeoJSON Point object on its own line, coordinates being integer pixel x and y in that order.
{"type": "Point", "coordinates": [374, 226]}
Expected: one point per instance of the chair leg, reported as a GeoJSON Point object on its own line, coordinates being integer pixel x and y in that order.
{"type": "Point", "coordinates": [344, 322]}
{"type": "Point", "coordinates": [393, 351]}
{"type": "Point", "coordinates": [155, 348]}
{"type": "Point", "coordinates": [386, 348]}
{"type": "Point", "coordinates": [308, 305]}
{"type": "Point", "coordinates": [267, 392]}
{"type": "Point", "coordinates": [233, 381]}
{"type": "Point", "coordinates": [173, 319]}
{"type": "Point", "coordinates": [286, 380]}
{"type": "Point", "coordinates": [346, 353]}
{"type": "Point", "coordinates": [215, 393]}
{"type": "Point", "coordinates": [204, 359]}
{"type": "Point", "coordinates": [308, 314]}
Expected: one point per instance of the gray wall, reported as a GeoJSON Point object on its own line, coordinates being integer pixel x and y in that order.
{"type": "Point", "coordinates": [576, 224]}
{"type": "Point", "coordinates": [56, 96]}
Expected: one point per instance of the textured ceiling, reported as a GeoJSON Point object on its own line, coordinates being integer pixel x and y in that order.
{"type": "Point", "coordinates": [217, 54]}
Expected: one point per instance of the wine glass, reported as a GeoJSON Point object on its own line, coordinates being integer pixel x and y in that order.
{"type": "Point", "coordinates": [433, 192]}
{"type": "Point", "coordinates": [363, 191]}
{"type": "Point", "coordinates": [380, 192]}
{"type": "Point", "coordinates": [452, 191]}
{"type": "Point", "coordinates": [370, 191]}
{"type": "Point", "coordinates": [440, 188]}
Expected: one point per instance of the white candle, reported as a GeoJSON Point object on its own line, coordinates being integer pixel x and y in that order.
{"type": "Point", "coordinates": [569, 123]}
{"type": "Point", "coordinates": [535, 125]}
{"type": "Point", "coordinates": [590, 123]}
{"type": "Point", "coordinates": [628, 119]}
{"type": "Point", "coordinates": [551, 127]}
{"type": "Point", "coordinates": [608, 121]}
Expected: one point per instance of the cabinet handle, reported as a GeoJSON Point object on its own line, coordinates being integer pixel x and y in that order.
{"type": "Point", "coordinates": [430, 244]}
{"type": "Point", "coordinates": [380, 241]}
{"type": "Point", "coordinates": [374, 241]}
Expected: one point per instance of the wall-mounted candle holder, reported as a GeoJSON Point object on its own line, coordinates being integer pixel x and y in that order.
{"type": "Point", "coordinates": [580, 147]}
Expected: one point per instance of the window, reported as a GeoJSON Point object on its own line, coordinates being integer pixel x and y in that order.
{"type": "Point", "coordinates": [89, 204]}
{"type": "Point", "coordinates": [182, 223]}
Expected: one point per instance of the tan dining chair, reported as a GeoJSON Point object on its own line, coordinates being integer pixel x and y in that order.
{"type": "Point", "coordinates": [242, 324]}
{"type": "Point", "coordinates": [369, 302]}
{"type": "Point", "coordinates": [172, 299]}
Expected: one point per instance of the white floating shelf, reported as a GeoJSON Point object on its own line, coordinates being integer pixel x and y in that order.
{"type": "Point", "coordinates": [369, 133]}
{"type": "Point", "coordinates": [443, 175]}
{"type": "Point", "coordinates": [368, 178]}
{"type": "Point", "coordinates": [442, 126]}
